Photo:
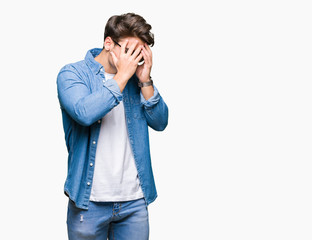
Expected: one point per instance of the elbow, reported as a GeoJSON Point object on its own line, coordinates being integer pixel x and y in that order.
{"type": "Point", "coordinates": [161, 125]}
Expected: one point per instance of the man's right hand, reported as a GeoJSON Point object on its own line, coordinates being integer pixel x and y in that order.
{"type": "Point", "coordinates": [127, 63]}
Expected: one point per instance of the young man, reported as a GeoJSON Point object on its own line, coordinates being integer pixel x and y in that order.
{"type": "Point", "coordinates": [108, 100]}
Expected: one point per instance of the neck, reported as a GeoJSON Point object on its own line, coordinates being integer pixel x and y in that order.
{"type": "Point", "coordinates": [102, 58]}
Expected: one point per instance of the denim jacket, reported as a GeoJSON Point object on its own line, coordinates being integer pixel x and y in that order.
{"type": "Point", "coordinates": [85, 96]}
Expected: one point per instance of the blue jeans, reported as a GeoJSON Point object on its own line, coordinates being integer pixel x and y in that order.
{"type": "Point", "coordinates": [115, 220]}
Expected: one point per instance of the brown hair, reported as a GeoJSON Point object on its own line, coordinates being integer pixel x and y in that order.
{"type": "Point", "coordinates": [128, 25]}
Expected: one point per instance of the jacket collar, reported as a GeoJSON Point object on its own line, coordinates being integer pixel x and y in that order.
{"type": "Point", "coordinates": [89, 58]}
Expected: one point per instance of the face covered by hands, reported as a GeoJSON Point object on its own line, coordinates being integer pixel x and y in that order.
{"type": "Point", "coordinates": [132, 51]}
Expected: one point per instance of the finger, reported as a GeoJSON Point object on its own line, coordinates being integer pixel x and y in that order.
{"type": "Point", "coordinates": [148, 48]}
{"type": "Point", "coordinates": [132, 47]}
{"type": "Point", "coordinates": [145, 56]}
{"type": "Point", "coordinates": [137, 51]}
{"type": "Point", "coordinates": [147, 53]}
{"type": "Point", "coordinates": [123, 46]}
{"type": "Point", "coordinates": [138, 58]}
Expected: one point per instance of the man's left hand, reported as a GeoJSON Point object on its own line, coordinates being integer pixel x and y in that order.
{"type": "Point", "coordinates": [143, 71]}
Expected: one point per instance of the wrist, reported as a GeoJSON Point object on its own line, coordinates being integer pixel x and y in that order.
{"type": "Point", "coordinates": [146, 83]}
{"type": "Point", "coordinates": [121, 77]}
{"type": "Point", "coordinates": [145, 79]}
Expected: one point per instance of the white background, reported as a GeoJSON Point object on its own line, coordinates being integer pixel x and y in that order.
{"type": "Point", "coordinates": [235, 159]}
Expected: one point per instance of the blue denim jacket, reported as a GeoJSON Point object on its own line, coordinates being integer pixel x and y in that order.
{"type": "Point", "coordinates": [85, 96]}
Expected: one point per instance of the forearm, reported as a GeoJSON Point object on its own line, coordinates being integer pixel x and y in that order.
{"type": "Point", "coordinates": [147, 92]}
{"type": "Point", "coordinates": [155, 110]}
{"type": "Point", "coordinates": [76, 98]}
{"type": "Point", "coordinates": [94, 106]}
{"type": "Point", "coordinates": [90, 108]}
{"type": "Point", "coordinates": [121, 81]}
{"type": "Point", "coordinates": [157, 115]}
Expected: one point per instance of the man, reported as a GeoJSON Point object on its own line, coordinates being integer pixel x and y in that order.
{"type": "Point", "coordinates": [108, 100]}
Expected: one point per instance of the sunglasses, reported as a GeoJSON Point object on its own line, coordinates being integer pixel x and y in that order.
{"type": "Point", "coordinates": [126, 50]}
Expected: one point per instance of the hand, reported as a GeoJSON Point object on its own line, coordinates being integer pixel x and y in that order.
{"type": "Point", "coordinates": [143, 71]}
{"type": "Point", "coordinates": [127, 63]}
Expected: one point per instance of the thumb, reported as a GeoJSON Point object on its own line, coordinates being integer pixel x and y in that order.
{"type": "Point", "coordinates": [114, 58]}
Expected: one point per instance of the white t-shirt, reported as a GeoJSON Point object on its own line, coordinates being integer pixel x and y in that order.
{"type": "Point", "coordinates": [115, 175]}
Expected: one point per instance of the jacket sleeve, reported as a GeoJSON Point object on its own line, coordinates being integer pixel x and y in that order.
{"type": "Point", "coordinates": [155, 111]}
{"type": "Point", "coordinates": [76, 98]}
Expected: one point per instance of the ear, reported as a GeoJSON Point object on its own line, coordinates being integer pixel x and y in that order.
{"type": "Point", "coordinates": [108, 43]}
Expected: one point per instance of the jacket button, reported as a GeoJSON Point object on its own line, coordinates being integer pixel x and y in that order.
{"type": "Point", "coordinates": [91, 164]}
{"type": "Point", "coordinates": [94, 142]}
{"type": "Point", "coordinates": [88, 183]}
{"type": "Point", "coordinates": [99, 121]}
